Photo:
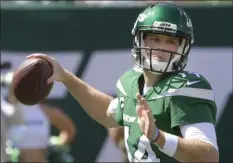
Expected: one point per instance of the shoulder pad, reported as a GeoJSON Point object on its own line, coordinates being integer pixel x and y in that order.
{"type": "Point", "coordinates": [194, 80]}
{"type": "Point", "coordinates": [186, 84]}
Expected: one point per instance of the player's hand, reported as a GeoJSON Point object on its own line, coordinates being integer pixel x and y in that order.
{"type": "Point", "coordinates": [145, 116]}
{"type": "Point", "coordinates": [58, 72]}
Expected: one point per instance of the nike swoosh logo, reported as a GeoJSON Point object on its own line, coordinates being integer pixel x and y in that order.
{"type": "Point", "coordinates": [190, 83]}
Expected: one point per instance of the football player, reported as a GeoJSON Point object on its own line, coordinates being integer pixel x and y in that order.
{"type": "Point", "coordinates": [168, 114]}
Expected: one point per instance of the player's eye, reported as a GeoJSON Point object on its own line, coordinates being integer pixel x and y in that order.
{"type": "Point", "coordinates": [154, 39]}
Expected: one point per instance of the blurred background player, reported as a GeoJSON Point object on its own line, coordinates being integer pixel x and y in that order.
{"type": "Point", "coordinates": [32, 137]}
{"type": "Point", "coordinates": [10, 115]}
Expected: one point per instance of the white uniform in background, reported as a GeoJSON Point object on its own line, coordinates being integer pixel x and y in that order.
{"type": "Point", "coordinates": [9, 116]}
{"type": "Point", "coordinates": [35, 132]}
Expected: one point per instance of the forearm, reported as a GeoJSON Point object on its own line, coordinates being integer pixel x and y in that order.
{"type": "Point", "coordinates": [94, 102]}
{"type": "Point", "coordinates": [117, 134]}
{"type": "Point", "coordinates": [190, 150]}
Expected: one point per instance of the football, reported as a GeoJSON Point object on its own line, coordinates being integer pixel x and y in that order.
{"type": "Point", "coordinates": [29, 81]}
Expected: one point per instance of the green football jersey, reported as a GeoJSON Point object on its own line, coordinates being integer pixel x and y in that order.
{"type": "Point", "coordinates": [178, 99]}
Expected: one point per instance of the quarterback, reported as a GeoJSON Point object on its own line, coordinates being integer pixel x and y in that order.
{"type": "Point", "coordinates": [168, 114]}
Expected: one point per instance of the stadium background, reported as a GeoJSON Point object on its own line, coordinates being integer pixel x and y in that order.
{"type": "Point", "coordinates": [94, 41]}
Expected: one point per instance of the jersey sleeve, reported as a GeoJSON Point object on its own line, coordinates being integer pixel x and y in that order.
{"type": "Point", "coordinates": [124, 90]}
{"type": "Point", "coordinates": [116, 105]}
{"type": "Point", "coordinates": [193, 103]}
{"type": "Point", "coordinates": [114, 109]}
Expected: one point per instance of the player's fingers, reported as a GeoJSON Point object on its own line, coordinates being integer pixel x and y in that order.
{"type": "Point", "coordinates": [146, 117]}
{"type": "Point", "coordinates": [148, 122]}
{"type": "Point", "coordinates": [35, 55]}
{"type": "Point", "coordinates": [51, 79]}
{"type": "Point", "coordinates": [149, 115]}
{"type": "Point", "coordinates": [142, 101]}
{"type": "Point", "coordinates": [145, 104]}
{"type": "Point", "coordinates": [139, 110]}
{"type": "Point", "coordinates": [146, 114]}
{"type": "Point", "coordinates": [147, 109]}
{"type": "Point", "coordinates": [30, 56]}
{"type": "Point", "coordinates": [139, 98]}
{"type": "Point", "coordinates": [50, 60]}
{"type": "Point", "coordinates": [42, 56]}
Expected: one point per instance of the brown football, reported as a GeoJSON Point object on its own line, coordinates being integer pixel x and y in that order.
{"type": "Point", "coordinates": [29, 81]}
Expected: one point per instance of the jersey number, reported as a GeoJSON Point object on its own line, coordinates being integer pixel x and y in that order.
{"type": "Point", "coordinates": [144, 152]}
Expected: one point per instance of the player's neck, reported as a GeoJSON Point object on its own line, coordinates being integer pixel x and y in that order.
{"type": "Point", "coordinates": [150, 78]}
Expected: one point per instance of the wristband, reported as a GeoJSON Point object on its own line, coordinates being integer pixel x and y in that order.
{"type": "Point", "coordinates": [170, 146]}
{"type": "Point", "coordinates": [155, 135]}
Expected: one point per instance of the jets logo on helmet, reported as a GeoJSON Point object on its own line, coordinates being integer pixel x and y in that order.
{"type": "Point", "coordinates": [142, 17]}
{"type": "Point", "coordinates": [165, 27]}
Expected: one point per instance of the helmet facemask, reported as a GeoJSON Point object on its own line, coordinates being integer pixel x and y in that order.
{"type": "Point", "coordinates": [143, 55]}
